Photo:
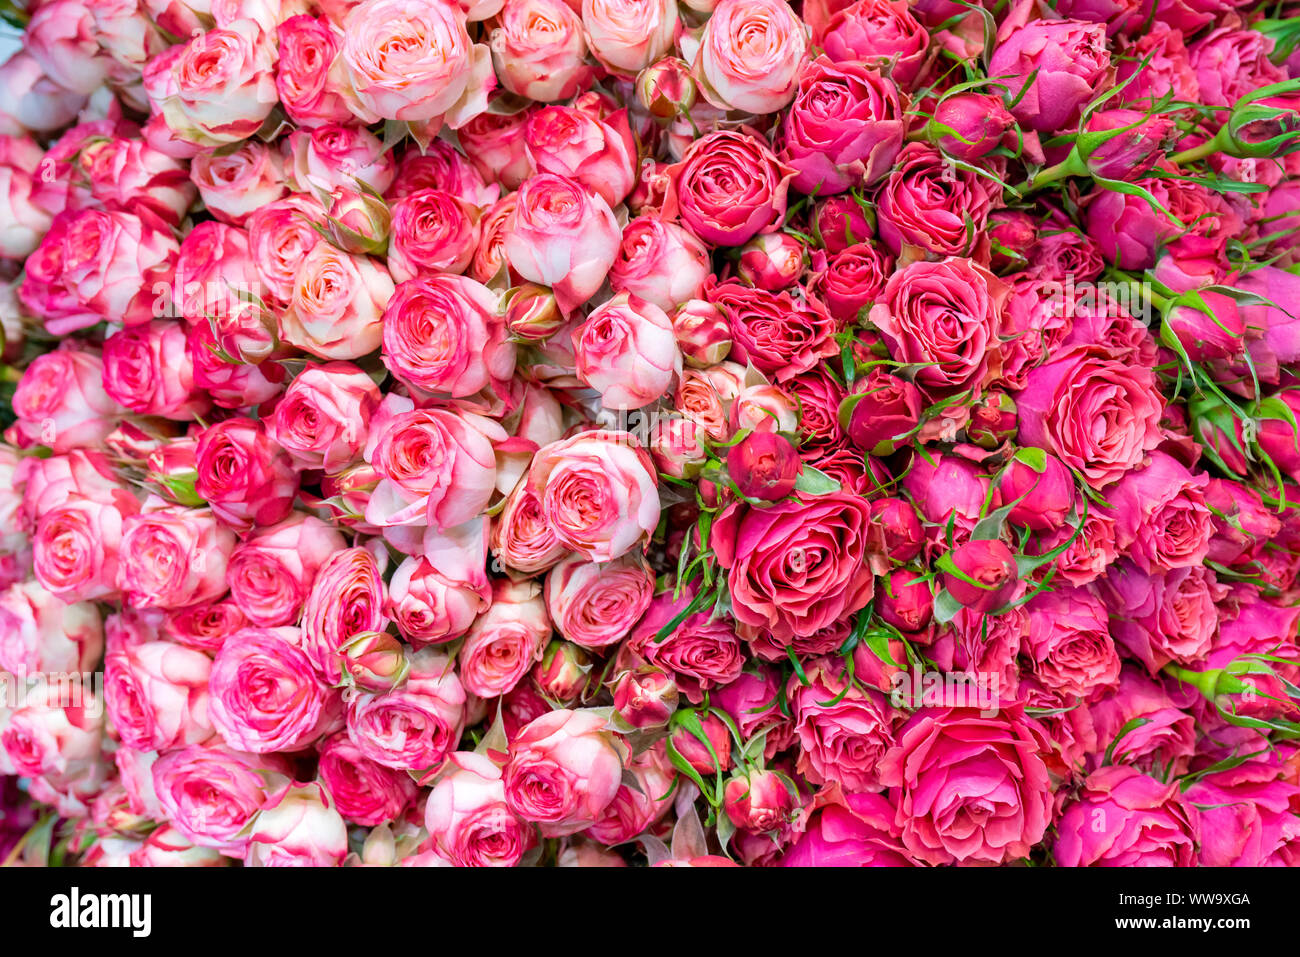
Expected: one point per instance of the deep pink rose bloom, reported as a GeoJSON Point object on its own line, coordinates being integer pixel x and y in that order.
{"type": "Point", "coordinates": [1069, 61]}
{"type": "Point", "coordinates": [700, 654]}
{"type": "Point", "coordinates": [364, 792]}
{"type": "Point", "coordinates": [926, 202]}
{"type": "Point", "coordinates": [1163, 616]}
{"type": "Point", "coordinates": [244, 475]}
{"type": "Point", "coordinates": [1069, 642]}
{"type": "Point", "coordinates": [849, 830]}
{"type": "Point", "coordinates": [1123, 818]}
{"type": "Point", "coordinates": [843, 728]}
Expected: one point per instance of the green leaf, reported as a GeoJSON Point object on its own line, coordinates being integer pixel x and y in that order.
{"type": "Point", "coordinates": [813, 481]}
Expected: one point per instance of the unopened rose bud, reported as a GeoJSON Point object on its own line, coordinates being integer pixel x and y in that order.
{"type": "Point", "coordinates": [531, 312]}
{"type": "Point", "coordinates": [968, 126]}
{"type": "Point", "coordinates": [1011, 233]}
{"type": "Point", "coordinates": [1208, 325]}
{"type": "Point", "coordinates": [703, 333]}
{"type": "Point", "coordinates": [645, 698]}
{"type": "Point", "coordinates": [842, 221]}
{"type": "Point", "coordinates": [374, 661]}
{"type": "Point", "coordinates": [694, 751]}
{"type": "Point", "coordinates": [1221, 433]}
{"type": "Point", "coordinates": [986, 575]}
{"type": "Point", "coordinates": [1043, 499]}
{"type": "Point", "coordinates": [764, 408]}
{"type": "Point", "coordinates": [359, 222]}
{"type": "Point", "coordinates": [992, 421]}
{"type": "Point", "coordinates": [563, 672]}
{"type": "Point", "coordinates": [897, 527]}
{"type": "Point", "coordinates": [882, 412]}
{"type": "Point", "coordinates": [759, 802]}
{"type": "Point", "coordinates": [1265, 127]}
{"type": "Point", "coordinates": [677, 447]}
{"type": "Point", "coordinates": [171, 470]}
{"type": "Point", "coordinates": [905, 601]}
{"type": "Point", "coordinates": [764, 465]}
{"type": "Point", "coordinates": [772, 261]}
{"type": "Point", "coordinates": [666, 89]}
{"type": "Point", "coordinates": [1124, 144]}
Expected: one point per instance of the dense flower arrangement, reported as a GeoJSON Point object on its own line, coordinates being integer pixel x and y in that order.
{"type": "Point", "coordinates": [601, 432]}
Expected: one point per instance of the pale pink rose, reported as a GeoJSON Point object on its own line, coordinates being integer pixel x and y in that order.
{"type": "Point", "coordinates": [598, 152]}
{"type": "Point", "coordinates": [60, 401]}
{"type": "Point", "coordinates": [414, 727]}
{"type": "Point", "coordinates": [246, 478]}
{"type": "Point", "coordinates": [234, 185]}
{"type": "Point", "coordinates": [489, 262]}
{"type": "Point", "coordinates": [635, 809]}
{"type": "Point", "coordinates": [61, 36]}
{"type": "Point", "coordinates": [628, 35]}
{"type": "Point", "coordinates": [333, 156]}
{"type": "Point", "coordinates": [336, 307]}
{"type": "Point", "coordinates": [597, 492]}
{"type": "Point", "coordinates": [264, 694]}
{"type": "Point", "coordinates": [364, 792]}
{"type": "Point", "coordinates": [224, 85]}
{"type": "Point", "coordinates": [135, 772]}
{"type": "Point", "coordinates": [521, 538]}
{"type": "Point", "coordinates": [310, 78]}
{"type": "Point", "coordinates": [626, 350]}
{"type": "Point", "coordinates": [25, 223]}
{"type": "Point", "coordinates": [178, 17]}
{"type": "Point", "coordinates": [279, 237]}
{"type": "Point", "coordinates": [231, 385]}
{"type": "Point", "coordinates": [272, 570]}
{"type": "Point", "coordinates": [148, 369]}
{"type": "Point", "coordinates": [506, 640]}
{"type": "Point", "coordinates": [76, 547]}
{"type": "Point", "coordinates": [563, 237]}
{"type": "Point", "coordinates": [539, 49]}
{"type": "Point", "coordinates": [563, 771]}
{"type": "Point", "coordinates": [171, 556]}
{"type": "Point", "coordinates": [126, 33]}
{"type": "Point", "coordinates": [46, 736]}
{"type": "Point", "coordinates": [324, 417]}
{"type": "Point", "coordinates": [468, 819]}
{"type": "Point", "coordinates": [297, 827]}
{"type": "Point", "coordinates": [660, 262]}
{"type": "Point", "coordinates": [31, 100]}
{"type": "Point", "coordinates": [47, 483]}
{"type": "Point", "coordinates": [596, 605]}
{"type": "Point", "coordinates": [346, 599]}
{"type": "Point", "coordinates": [156, 695]}
{"type": "Point", "coordinates": [435, 597]}
{"type": "Point", "coordinates": [750, 55]}
{"type": "Point", "coordinates": [167, 847]}
{"type": "Point", "coordinates": [494, 143]}
{"type": "Point", "coordinates": [39, 632]}
{"type": "Point", "coordinates": [414, 61]}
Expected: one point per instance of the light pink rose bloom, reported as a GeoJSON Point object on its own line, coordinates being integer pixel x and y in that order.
{"type": "Point", "coordinates": [61, 36]}
{"type": "Point", "coordinates": [214, 273]}
{"type": "Point", "coordinates": [414, 727]}
{"type": "Point", "coordinates": [435, 597]}
{"type": "Point", "coordinates": [596, 605]}
{"type": "Point", "coordinates": [563, 771]}
{"type": "Point", "coordinates": [245, 477]}
{"type": "Point", "coordinates": [171, 556]}
{"type": "Point", "coordinates": [264, 694]}
{"type": "Point", "coordinates": [297, 827]}
{"type": "Point", "coordinates": [628, 35]}
{"type": "Point", "coordinates": [468, 819]}
{"type": "Point", "coordinates": [598, 152]}
{"type": "Point", "coordinates": [635, 809]}
{"type": "Point", "coordinates": [231, 385]}
{"type": "Point", "coordinates": [33, 101]}
{"type": "Point", "coordinates": [414, 61]}
{"type": "Point", "coordinates": [224, 85]}
{"type": "Point", "coordinates": [60, 400]}
{"type": "Point", "coordinates": [364, 792]}
{"type": "Point", "coordinates": [433, 231]}
{"type": "Point", "coordinates": [324, 417]}
{"type": "Point", "coordinates": [76, 547]}
{"type": "Point", "coordinates": [1123, 818]}
{"type": "Point", "coordinates": [148, 369]}
{"type": "Point", "coordinates": [521, 538]}
{"type": "Point", "coordinates": [750, 55]}
{"type": "Point", "coordinates": [39, 632]}
{"type": "Point", "coordinates": [234, 185]}
{"type": "Point", "coordinates": [337, 304]}
{"type": "Point", "coordinates": [597, 492]}
{"type": "Point", "coordinates": [494, 143]}
{"type": "Point", "coordinates": [310, 78]}
{"type": "Point", "coordinates": [47, 483]}
{"type": "Point", "coordinates": [561, 236]}
{"type": "Point", "coordinates": [626, 350]}
{"type": "Point", "coordinates": [279, 237]}
{"type": "Point", "coordinates": [25, 223]}
{"type": "Point", "coordinates": [346, 599]}
{"type": "Point", "coordinates": [120, 173]}
{"type": "Point", "coordinates": [539, 48]}
{"type": "Point", "coordinates": [59, 742]}
{"type": "Point", "coordinates": [660, 262]}
{"type": "Point", "coordinates": [156, 695]}
{"type": "Point", "coordinates": [335, 156]}
{"type": "Point", "coordinates": [506, 640]}
{"type": "Point", "coordinates": [271, 571]}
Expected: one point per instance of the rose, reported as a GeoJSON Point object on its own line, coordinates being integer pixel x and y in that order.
{"type": "Point", "coordinates": [25, 222]}
{"type": "Point", "coordinates": [1158, 60]}
{"type": "Point", "coordinates": [224, 85]}
{"type": "Point", "coordinates": [947, 314]}
{"type": "Point", "coordinates": [563, 770]}
{"type": "Point", "coordinates": [435, 597]}
{"type": "Point", "coordinates": [236, 385]}
{"type": "Point", "coordinates": [1040, 499]}
{"type": "Point", "coordinates": [272, 570]}
{"type": "Point", "coordinates": [279, 236]}
{"type": "Point", "coordinates": [772, 261]}
{"type": "Point", "coordinates": [432, 231]}
{"type": "Point", "coordinates": [879, 33]}
{"type": "Point", "coordinates": [843, 729]}
{"type": "Point", "coordinates": [844, 128]}
{"type": "Point", "coordinates": [264, 694]}
{"type": "Point", "coordinates": [346, 599]}
{"type": "Point", "coordinates": [627, 352]}
{"type": "Point", "coordinates": [1122, 818]}
{"type": "Point", "coordinates": [629, 36]}
{"type": "Point", "coordinates": [728, 187]}
{"type": "Point", "coordinates": [441, 166]}
{"type": "Point", "coordinates": [506, 640]}
{"type": "Point", "coordinates": [494, 143]}
{"type": "Point", "coordinates": [854, 278]}
{"type": "Point", "coordinates": [927, 202]}
{"type": "Point", "coordinates": [1069, 642]}
{"type": "Point", "coordinates": [298, 827]}
{"type": "Point", "coordinates": [538, 48]}
{"type": "Point", "coordinates": [521, 538]}
{"type": "Point", "coordinates": [32, 100]}
{"type": "Point", "coordinates": [336, 306]}
{"type": "Point", "coordinates": [40, 632]}
{"type": "Point", "coordinates": [1159, 617]}
{"type": "Point", "coordinates": [883, 410]}
{"type": "Point", "coordinates": [443, 334]}
{"type": "Point", "coordinates": [596, 605]}
{"type": "Point", "coordinates": [597, 493]}
{"type": "Point", "coordinates": [1141, 726]}
{"type": "Point", "coordinates": [53, 742]}
{"type": "Point", "coordinates": [759, 801]}
{"type": "Point", "coordinates": [147, 368]}
{"type": "Point", "coordinates": [849, 830]}
{"type": "Point", "coordinates": [233, 185]}
{"type": "Point", "coordinates": [563, 237]}
{"type": "Point", "coordinates": [156, 695]}
{"type": "Point", "coordinates": [309, 77]}
{"type": "Point", "coordinates": [171, 557]}
{"type": "Point", "coordinates": [907, 602]}
{"type": "Point", "coordinates": [1231, 63]}
{"type": "Point", "coordinates": [635, 809]}
{"type": "Point", "coordinates": [324, 416]}
{"type": "Point", "coordinates": [699, 653]}
{"type": "Point", "coordinates": [659, 262]}
{"type": "Point", "coordinates": [61, 36]}
{"type": "Point", "coordinates": [243, 475]}
{"type": "Point", "coordinates": [76, 546]}
{"type": "Point", "coordinates": [209, 792]}
{"type": "Point", "coordinates": [1242, 523]}
{"type": "Point", "coordinates": [468, 818]}
{"type": "Point", "coordinates": [982, 575]}
{"type": "Point", "coordinates": [1247, 819]}
{"type": "Point", "coordinates": [60, 400]}
{"type": "Point", "coordinates": [944, 488]}
{"type": "Point", "coordinates": [1069, 63]}
{"type": "Point", "coordinates": [780, 335]}
{"type": "Point", "coordinates": [364, 792]}
{"type": "Point", "coordinates": [599, 153]}
{"type": "Point", "coordinates": [215, 273]}
{"type": "Point", "coordinates": [750, 54]}
{"type": "Point", "coordinates": [644, 698]}
{"type": "Point", "coordinates": [204, 626]}
{"type": "Point", "coordinates": [1097, 415]}
{"type": "Point", "coordinates": [1162, 520]}
{"type": "Point", "coordinates": [335, 156]}
{"type": "Point", "coordinates": [764, 466]}
{"type": "Point", "coordinates": [971, 788]}
{"type": "Point", "coordinates": [968, 126]}
{"type": "Point", "coordinates": [414, 727]}
{"type": "Point", "coordinates": [1140, 140]}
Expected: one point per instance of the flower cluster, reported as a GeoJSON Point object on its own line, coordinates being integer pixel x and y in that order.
{"type": "Point", "coordinates": [604, 432]}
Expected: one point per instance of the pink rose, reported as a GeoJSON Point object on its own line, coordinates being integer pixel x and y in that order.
{"type": "Point", "coordinates": [214, 270]}
{"type": "Point", "coordinates": [467, 816]}
{"type": "Point", "coordinates": [729, 187]}
{"type": "Point", "coordinates": [297, 827]}
{"type": "Point", "coordinates": [1069, 643]}
{"type": "Point", "coordinates": [209, 792]}
{"type": "Point", "coordinates": [1248, 817]}
{"type": "Point", "coordinates": [46, 736]}
{"type": "Point", "coordinates": [852, 830]}
{"type": "Point", "coordinates": [272, 570]}
{"type": "Point", "coordinates": [1122, 818]}
{"type": "Point", "coordinates": [506, 640]}
{"type": "Point", "coordinates": [1162, 520]}
{"type": "Point", "coordinates": [61, 36]}
{"type": "Point", "coordinates": [33, 101]}
{"type": "Point", "coordinates": [1140, 725]}
{"type": "Point", "coordinates": [435, 597]}
{"type": "Point", "coordinates": [843, 729]}
{"type": "Point", "coordinates": [779, 334]}
{"type": "Point", "coordinates": [337, 303]}
{"type": "Point", "coordinates": [156, 694]}
{"type": "Point", "coordinates": [926, 202]}
{"type": "Point", "coordinates": [433, 231]}
{"type": "Point", "coordinates": [171, 556]}
{"type": "Point", "coordinates": [539, 48]}
{"type": "Point", "coordinates": [750, 55]}
{"type": "Point", "coordinates": [203, 626]}
{"type": "Point", "coordinates": [147, 368]}
{"type": "Point", "coordinates": [521, 538]}
{"type": "Point", "coordinates": [628, 36]}
{"type": "Point", "coordinates": [224, 85]}
{"type": "Point", "coordinates": [700, 653]}
{"type": "Point", "coordinates": [442, 167]}
{"type": "Point", "coordinates": [879, 33]}
{"type": "Point", "coordinates": [243, 475]}
{"type": "Point", "coordinates": [494, 143]}
{"type": "Point", "coordinates": [414, 727]}
{"type": "Point", "coordinates": [596, 605]}
{"type": "Point", "coordinates": [309, 77]}
{"type": "Point", "coordinates": [279, 237]}
{"type": "Point", "coordinates": [324, 417]}
{"type": "Point", "coordinates": [1069, 63]}
{"type": "Point", "coordinates": [635, 809]}
{"type": "Point", "coordinates": [60, 400]}
{"type": "Point", "coordinates": [76, 547]}
{"type": "Point", "coordinates": [235, 185]}
{"type": "Point", "coordinates": [600, 154]}
{"type": "Point", "coordinates": [660, 262]}
{"type": "Point", "coordinates": [364, 792]}
{"type": "Point", "coordinates": [335, 156]}
{"type": "Point", "coordinates": [346, 599]}
{"type": "Point", "coordinates": [626, 351]}
{"type": "Point", "coordinates": [42, 633]}
{"type": "Point", "coordinates": [230, 385]}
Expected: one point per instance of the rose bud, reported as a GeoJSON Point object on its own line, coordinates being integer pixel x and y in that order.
{"type": "Point", "coordinates": [666, 89]}
{"type": "Point", "coordinates": [297, 827]}
{"type": "Point", "coordinates": [708, 759]}
{"type": "Point", "coordinates": [171, 471]}
{"type": "Point", "coordinates": [645, 698]}
{"type": "Point", "coordinates": [374, 661]}
{"type": "Point", "coordinates": [986, 576]}
{"type": "Point", "coordinates": [992, 420]}
{"type": "Point", "coordinates": [1043, 499]}
{"type": "Point", "coordinates": [883, 411]}
{"type": "Point", "coordinates": [531, 312]}
{"type": "Point", "coordinates": [677, 446]}
{"type": "Point", "coordinates": [1208, 325]}
{"type": "Point", "coordinates": [703, 333]}
{"type": "Point", "coordinates": [969, 125]}
{"type": "Point", "coordinates": [1124, 144]}
{"type": "Point", "coordinates": [758, 802]}
{"type": "Point", "coordinates": [843, 221]}
{"type": "Point", "coordinates": [906, 601]}
{"type": "Point", "coordinates": [764, 408]}
{"type": "Point", "coordinates": [1012, 232]}
{"type": "Point", "coordinates": [764, 465]}
{"type": "Point", "coordinates": [772, 261]}
{"type": "Point", "coordinates": [563, 672]}
{"type": "Point", "coordinates": [359, 222]}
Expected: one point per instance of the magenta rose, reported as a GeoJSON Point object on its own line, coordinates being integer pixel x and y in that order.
{"type": "Point", "coordinates": [364, 792]}
{"type": "Point", "coordinates": [729, 187]}
{"type": "Point", "coordinates": [780, 334]}
{"type": "Point", "coordinates": [1068, 62]}
{"type": "Point", "coordinates": [1123, 818]}
{"type": "Point", "coordinates": [699, 653]}
{"type": "Point", "coordinates": [1162, 520]}
{"type": "Point", "coordinates": [851, 830]}
{"type": "Point", "coordinates": [926, 202]}
{"type": "Point", "coordinates": [272, 570]}
{"type": "Point", "coordinates": [1069, 642]}
{"type": "Point", "coordinates": [245, 477]}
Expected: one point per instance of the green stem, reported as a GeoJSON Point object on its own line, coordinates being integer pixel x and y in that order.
{"type": "Point", "coordinates": [1210, 146]}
